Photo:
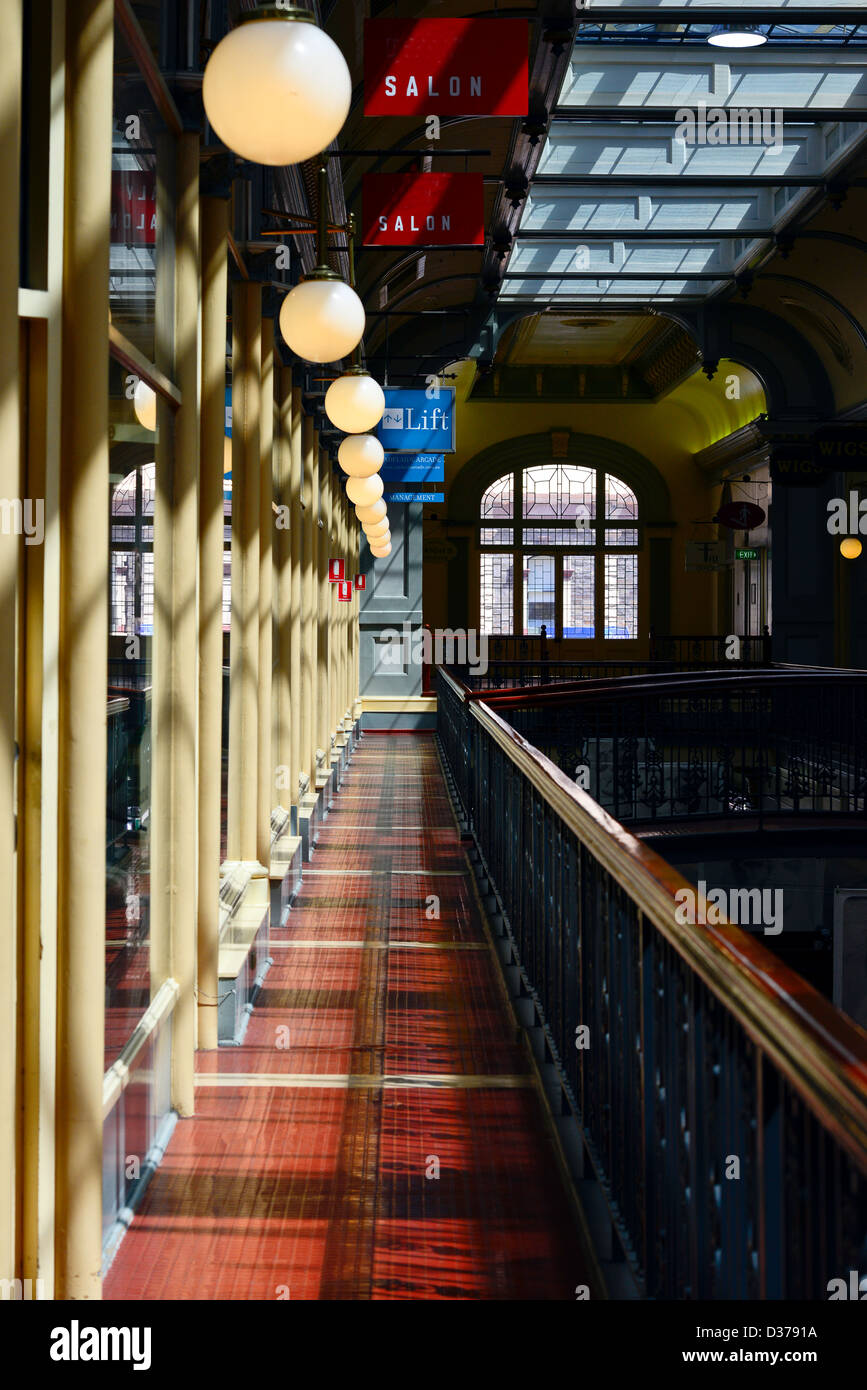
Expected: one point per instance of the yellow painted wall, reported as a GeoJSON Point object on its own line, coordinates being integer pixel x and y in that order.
{"type": "Point", "coordinates": [695, 415]}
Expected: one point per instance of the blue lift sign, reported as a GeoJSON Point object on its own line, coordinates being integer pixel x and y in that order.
{"type": "Point", "coordinates": [413, 423]}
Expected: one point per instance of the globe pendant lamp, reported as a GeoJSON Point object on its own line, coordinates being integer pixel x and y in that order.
{"type": "Point", "coordinates": [381, 551]}
{"type": "Point", "coordinates": [384, 539]}
{"type": "Point", "coordinates": [322, 318]}
{"type": "Point", "coordinates": [736, 36]}
{"type": "Point", "coordinates": [365, 491]}
{"type": "Point", "coordinates": [144, 403]}
{"type": "Point", "coordinates": [277, 89]}
{"type": "Point", "coordinates": [355, 402]}
{"type": "Point", "coordinates": [376, 528]}
{"type": "Point", "coordinates": [373, 513]}
{"type": "Point", "coordinates": [361, 455]}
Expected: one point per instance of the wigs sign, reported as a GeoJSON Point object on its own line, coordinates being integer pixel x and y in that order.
{"type": "Point", "coordinates": [423, 210]}
{"type": "Point", "coordinates": [445, 67]}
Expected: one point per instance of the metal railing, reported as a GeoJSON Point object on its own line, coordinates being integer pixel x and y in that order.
{"type": "Point", "coordinates": [722, 1102]}
{"type": "Point", "coordinates": [706, 744]}
{"type": "Point", "coordinates": [711, 650]}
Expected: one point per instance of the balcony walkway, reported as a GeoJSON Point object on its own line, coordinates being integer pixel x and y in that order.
{"type": "Point", "coordinates": [381, 1041]}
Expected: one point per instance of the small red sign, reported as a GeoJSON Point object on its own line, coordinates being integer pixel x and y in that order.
{"type": "Point", "coordinates": [335, 571]}
{"type": "Point", "coordinates": [344, 591]}
{"type": "Point", "coordinates": [446, 67]}
{"type": "Point", "coordinates": [361, 581]}
{"type": "Point", "coordinates": [740, 516]}
{"type": "Point", "coordinates": [133, 208]}
{"type": "Point", "coordinates": [423, 210]}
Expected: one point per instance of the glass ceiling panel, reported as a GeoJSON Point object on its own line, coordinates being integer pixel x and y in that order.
{"type": "Point", "coordinates": [599, 149]}
{"type": "Point", "coordinates": [591, 143]}
{"type": "Point", "coordinates": [643, 77]}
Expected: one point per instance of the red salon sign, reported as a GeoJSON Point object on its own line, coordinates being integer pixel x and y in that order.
{"type": "Point", "coordinates": [423, 210]}
{"type": "Point", "coordinates": [446, 67]}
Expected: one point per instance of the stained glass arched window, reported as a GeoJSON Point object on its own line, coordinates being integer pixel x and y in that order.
{"type": "Point", "coordinates": [567, 557]}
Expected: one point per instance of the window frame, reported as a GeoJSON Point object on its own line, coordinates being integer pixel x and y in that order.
{"type": "Point", "coordinates": [519, 548]}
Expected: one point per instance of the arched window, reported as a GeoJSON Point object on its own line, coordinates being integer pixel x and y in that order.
{"type": "Point", "coordinates": [559, 547]}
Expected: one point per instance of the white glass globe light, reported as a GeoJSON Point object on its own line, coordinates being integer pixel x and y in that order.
{"type": "Point", "coordinates": [360, 455]}
{"type": "Point", "coordinates": [736, 36]}
{"type": "Point", "coordinates": [384, 539]}
{"type": "Point", "coordinates": [373, 513]}
{"type": "Point", "coordinates": [355, 402]}
{"type": "Point", "coordinates": [322, 318]}
{"type": "Point", "coordinates": [380, 551]}
{"type": "Point", "coordinates": [277, 89]}
{"type": "Point", "coordinates": [144, 403]}
{"type": "Point", "coordinates": [364, 491]}
{"type": "Point", "coordinates": [376, 528]}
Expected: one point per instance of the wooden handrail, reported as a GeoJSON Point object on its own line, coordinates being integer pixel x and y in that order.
{"type": "Point", "coordinates": [665, 683]}
{"type": "Point", "coordinates": [820, 1051]}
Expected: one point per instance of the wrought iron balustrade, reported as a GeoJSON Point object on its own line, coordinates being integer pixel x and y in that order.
{"type": "Point", "coordinates": [705, 744]}
{"type": "Point", "coordinates": [722, 1102]}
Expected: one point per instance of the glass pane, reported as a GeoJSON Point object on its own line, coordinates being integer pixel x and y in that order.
{"type": "Point", "coordinates": [136, 128]}
{"type": "Point", "coordinates": [621, 596]}
{"type": "Point", "coordinates": [498, 502]}
{"type": "Point", "coordinates": [615, 537]}
{"type": "Point", "coordinates": [496, 535]}
{"type": "Point", "coordinates": [496, 594]}
{"type": "Point", "coordinates": [539, 606]}
{"type": "Point", "coordinates": [549, 535]}
{"type": "Point", "coordinates": [127, 875]}
{"type": "Point", "coordinates": [559, 492]}
{"type": "Point", "coordinates": [579, 596]}
{"type": "Point", "coordinates": [621, 504]}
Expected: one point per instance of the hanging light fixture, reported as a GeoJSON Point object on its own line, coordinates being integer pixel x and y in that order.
{"type": "Point", "coordinates": [381, 551]}
{"type": "Point", "coordinates": [277, 89]}
{"type": "Point", "coordinates": [322, 318]}
{"type": "Point", "coordinates": [850, 548]}
{"type": "Point", "coordinates": [384, 539]}
{"type": "Point", "coordinates": [376, 528]}
{"type": "Point", "coordinates": [736, 36]}
{"type": "Point", "coordinates": [365, 491]}
{"type": "Point", "coordinates": [360, 455]}
{"type": "Point", "coordinates": [375, 512]}
{"type": "Point", "coordinates": [355, 402]}
{"type": "Point", "coordinates": [144, 403]}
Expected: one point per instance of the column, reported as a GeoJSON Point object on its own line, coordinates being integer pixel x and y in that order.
{"type": "Point", "coordinates": [323, 703]}
{"type": "Point", "coordinates": [10, 473]}
{"type": "Point", "coordinates": [282, 690]}
{"type": "Point", "coordinates": [244, 662]}
{"type": "Point", "coordinates": [215, 280]}
{"type": "Point", "coordinates": [266, 778]}
{"type": "Point", "coordinates": [174, 854]}
{"type": "Point", "coordinates": [309, 548]}
{"type": "Point", "coordinates": [296, 466]}
{"type": "Point", "coordinates": [83, 640]}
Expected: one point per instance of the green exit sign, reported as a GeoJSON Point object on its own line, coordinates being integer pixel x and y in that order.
{"type": "Point", "coordinates": [746, 555]}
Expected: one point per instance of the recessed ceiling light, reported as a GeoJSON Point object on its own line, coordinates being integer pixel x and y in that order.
{"type": "Point", "coordinates": [736, 36]}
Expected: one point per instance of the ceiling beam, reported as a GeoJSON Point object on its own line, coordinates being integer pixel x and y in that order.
{"type": "Point", "coordinates": [735, 14]}
{"type": "Point", "coordinates": [667, 115]}
{"type": "Point", "coordinates": [648, 234]}
{"type": "Point", "coordinates": [670, 182]}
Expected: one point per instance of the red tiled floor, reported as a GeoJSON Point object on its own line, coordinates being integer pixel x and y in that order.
{"type": "Point", "coordinates": [430, 1174]}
